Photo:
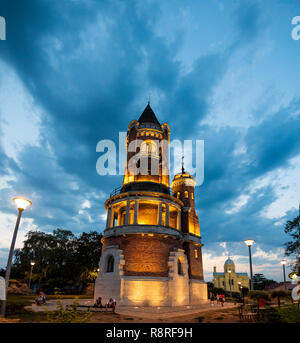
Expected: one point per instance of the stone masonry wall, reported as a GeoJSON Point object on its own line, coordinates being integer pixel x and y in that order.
{"type": "Point", "coordinates": [145, 255]}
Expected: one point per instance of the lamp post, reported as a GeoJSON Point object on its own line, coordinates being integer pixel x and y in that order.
{"type": "Point", "coordinates": [283, 262]}
{"type": "Point", "coordinates": [240, 288]}
{"type": "Point", "coordinates": [249, 243]}
{"type": "Point", "coordinates": [229, 271]}
{"type": "Point", "coordinates": [31, 264]}
{"type": "Point", "coordinates": [22, 204]}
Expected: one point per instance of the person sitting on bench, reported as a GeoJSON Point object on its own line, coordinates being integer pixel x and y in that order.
{"type": "Point", "coordinates": [98, 303]}
{"type": "Point", "coordinates": [111, 304]}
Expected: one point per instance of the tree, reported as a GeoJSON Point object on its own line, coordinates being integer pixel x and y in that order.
{"type": "Point", "coordinates": [292, 228]}
{"type": "Point", "coordinates": [279, 295]}
{"type": "Point", "coordinates": [260, 282]}
{"type": "Point", "coordinates": [62, 260]}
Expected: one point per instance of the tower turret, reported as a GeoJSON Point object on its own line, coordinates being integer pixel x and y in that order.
{"type": "Point", "coordinates": [147, 154]}
{"type": "Point", "coordinates": [183, 188]}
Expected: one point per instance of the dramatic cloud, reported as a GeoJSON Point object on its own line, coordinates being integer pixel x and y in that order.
{"type": "Point", "coordinates": [73, 73]}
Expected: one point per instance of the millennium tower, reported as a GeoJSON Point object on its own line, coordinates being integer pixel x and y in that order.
{"type": "Point", "coordinates": [152, 250]}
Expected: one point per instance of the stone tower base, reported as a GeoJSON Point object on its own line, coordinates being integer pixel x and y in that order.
{"type": "Point", "coordinates": [174, 290]}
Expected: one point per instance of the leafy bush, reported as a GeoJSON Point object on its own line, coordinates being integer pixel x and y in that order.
{"type": "Point", "coordinates": [259, 295]}
{"type": "Point", "coordinates": [68, 316]}
{"type": "Point", "coordinates": [279, 295]}
{"type": "Point", "coordinates": [287, 314]}
{"type": "Point", "coordinates": [290, 314]}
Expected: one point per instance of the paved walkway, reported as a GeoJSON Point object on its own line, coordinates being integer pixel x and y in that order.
{"type": "Point", "coordinates": [143, 312]}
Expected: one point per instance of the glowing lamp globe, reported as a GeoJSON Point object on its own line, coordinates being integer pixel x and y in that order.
{"type": "Point", "coordinates": [249, 242]}
{"type": "Point", "coordinates": [32, 263]}
{"type": "Point", "coordinates": [22, 203]}
{"type": "Point", "coordinates": [283, 262]}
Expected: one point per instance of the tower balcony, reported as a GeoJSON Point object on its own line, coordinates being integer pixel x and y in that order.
{"type": "Point", "coordinates": [142, 186]}
{"type": "Point", "coordinates": [143, 208]}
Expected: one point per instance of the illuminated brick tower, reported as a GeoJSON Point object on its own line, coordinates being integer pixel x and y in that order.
{"type": "Point", "coordinates": [151, 252]}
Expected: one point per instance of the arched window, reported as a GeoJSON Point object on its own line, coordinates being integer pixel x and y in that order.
{"type": "Point", "coordinates": [179, 267]}
{"type": "Point", "coordinates": [192, 195]}
{"type": "Point", "coordinates": [149, 148]}
{"type": "Point", "coordinates": [178, 195]}
{"type": "Point", "coordinates": [110, 264]}
{"type": "Point", "coordinates": [186, 194]}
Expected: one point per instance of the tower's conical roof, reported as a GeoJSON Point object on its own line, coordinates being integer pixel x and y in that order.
{"type": "Point", "coordinates": [148, 116]}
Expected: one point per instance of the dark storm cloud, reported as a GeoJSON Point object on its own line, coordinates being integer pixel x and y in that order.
{"type": "Point", "coordinates": [269, 145]}
{"type": "Point", "coordinates": [272, 143]}
{"type": "Point", "coordinates": [89, 65]}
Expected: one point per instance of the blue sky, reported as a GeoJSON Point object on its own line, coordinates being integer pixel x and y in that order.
{"type": "Point", "coordinates": [75, 72]}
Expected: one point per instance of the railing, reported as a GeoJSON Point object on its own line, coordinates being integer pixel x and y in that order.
{"type": "Point", "coordinates": [118, 191]}
{"type": "Point", "coordinates": [115, 191]}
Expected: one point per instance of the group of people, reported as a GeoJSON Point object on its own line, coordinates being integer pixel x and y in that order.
{"type": "Point", "coordinates": [219, 298]}
{"type": "Point", "coordinates": [40, 299]}
{"type": "Point", "coordinates": [111, 303]}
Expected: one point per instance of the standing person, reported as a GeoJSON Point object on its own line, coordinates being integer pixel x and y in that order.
{"type": "Point", "coordinates": [222, 299]}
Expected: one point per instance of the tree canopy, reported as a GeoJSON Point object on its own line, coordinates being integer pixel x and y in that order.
{"type": "Point", "coordinates": [260, 282]}
{"type": "Point", "coordinates": [61, 258]}
{"type": "Point", "coordinates": [292, 247]}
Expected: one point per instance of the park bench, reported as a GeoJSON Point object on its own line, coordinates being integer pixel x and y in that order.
{"type": "Point", "coordinates": [247, 314]}
{"type": "Point", "coordinates": [90, 308]}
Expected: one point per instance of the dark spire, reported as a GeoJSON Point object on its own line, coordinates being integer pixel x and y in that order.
{"type": "Point", "coordinates": [148, 116]}
{"type": "Point", "coordinates": [182, 165]}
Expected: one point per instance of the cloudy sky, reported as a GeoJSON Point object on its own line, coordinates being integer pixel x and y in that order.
{"type": "Point", "coordinates": [75, 72]}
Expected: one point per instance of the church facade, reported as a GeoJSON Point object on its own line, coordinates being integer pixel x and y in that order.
{"type": "Point", "coordinates": [230, 280]}
{"type": "Point", "coordinates": [152, 249]}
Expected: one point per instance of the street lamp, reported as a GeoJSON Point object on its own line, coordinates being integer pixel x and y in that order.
{"type": "Point", "coordinates": [249, 243]}
{"type": "Point", "coordinates": [31, 264]}
{"type": "Point", "coordinates": [229, 271]}
{"type": "Point", "coordinates": [283, 262]}
{"type": "Point", "coordinates": [22, 204]}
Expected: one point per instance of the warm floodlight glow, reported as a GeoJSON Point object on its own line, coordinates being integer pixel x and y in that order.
{"type": "Point", "coordinates": [293, 276]}
{"type": "Point", "coordinates": [32, 263]}
{"type": "Point", "coordinates": [283, 262]}
{"type": "Point", "coordinates": [22, 203]}
{"type": "Point", "coordinates": [249, 242]}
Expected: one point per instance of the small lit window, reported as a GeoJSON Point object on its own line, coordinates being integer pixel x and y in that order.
{"type": "Point", "coordinates": [192, 195]}
{"type": "Point", "coordinates": [196, 253]}
{"type": "Point", "coordinates": [179, 265]}
{"type": "Point", "coordinates": [110, 264]}
{"type": "Point", "coordinates": [178, 195]}
{"type": "Point", "coordinates": [186, 194]}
